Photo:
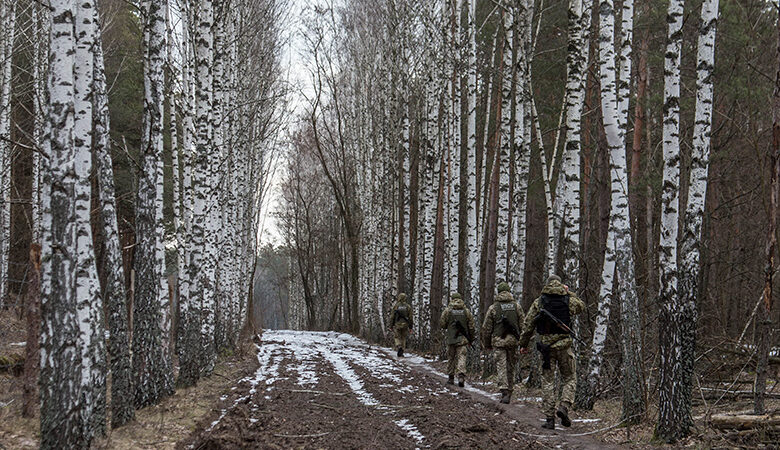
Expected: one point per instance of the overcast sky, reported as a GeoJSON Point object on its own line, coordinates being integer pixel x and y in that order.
{"type": "Point", "coordinates": [297, 77]}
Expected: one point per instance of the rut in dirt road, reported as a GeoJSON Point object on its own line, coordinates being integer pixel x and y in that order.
{"type": "Point", "coordinates": [331, 390]}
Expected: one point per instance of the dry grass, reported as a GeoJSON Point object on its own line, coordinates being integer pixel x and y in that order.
{"type": "Point", "coordinates": [155, 427]}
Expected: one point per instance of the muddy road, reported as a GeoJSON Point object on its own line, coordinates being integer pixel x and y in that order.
{"type": "Point", "coordinates": [330, 390]}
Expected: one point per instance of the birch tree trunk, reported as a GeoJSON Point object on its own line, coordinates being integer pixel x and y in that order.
{"type": "Point", "coordinates": [522, 147]}
{"type": "Point", "coordinates": [618, 278]}
{"type": "Point", "coordinates": [472, 230]}
{"type": "Point", "coordinates": [507, 71]}
{"type": "Point", "coordinates": [188, 334]}
{"type": "Point", "coordinates": [90, 305]}
{"type": "Point", "coordinates": [114, 295]}
{"type": "Point", "coordinates": [62, 423]}
{"type": "Point", "coordinates": [202, 292]}
{"type": "Point", "coordinates": [674, 415]}
{"type": "Point", "coordinates": [8, 20]}
{"type": "Point", "coordinates": [152, 373]}
{"type": "Point", "coordinates": [568, 197]}
{"type": "Point", "coordinates": [697, 193]}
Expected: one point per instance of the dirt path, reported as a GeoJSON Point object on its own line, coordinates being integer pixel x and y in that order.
{"type": "Point", "coordinates": [330, 390]}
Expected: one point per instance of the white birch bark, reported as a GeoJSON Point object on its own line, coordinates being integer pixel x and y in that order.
{"type": "Point", "coordinates": [9, 34]}
{"type": "Point", "coordinates": [567, 198]}
{"type": "Point", "coordinates": [38, 80]}
{"type": "Point", "coordinates": [61, 373]}
{"type": "Point", "coordinates": [692, 237]}
{"type": "Point", "coordinates": [522, 150]}
{"type": "Point", "coordinates": [472, 230]}
{"type": "Point", "coordinates": [202, 293]}
{"type": "Point", "coordinates": [120, 364]}
{"type": "Point", "coordinates": [503, 235]}
{"type": "Point", "coordinates": [618, 261]}
{"type": "Point", "coordinates": [454, 148]}
{"type": "Point", "coordinates": [673, 416]}
{"type": "Point", "coordinates": [90, 305]}
{"type": "Point", "coordinates": [187, 307]}
{"type": "Point", "coordinates": [152, 371]}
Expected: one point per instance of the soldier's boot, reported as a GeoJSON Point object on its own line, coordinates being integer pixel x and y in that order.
{"type": "Point", "coordinates": [505, 395]}
{"type": "Point", "coordinates": [400, 352]}
{"type": "Point", "coordinates": [451, 379]}
{"type": "Point", "coordinates": [549, 424]}
{"type": "Point", "coordinates": [563, 414]}
{"type": "Point", "coordinates": [461, 380]}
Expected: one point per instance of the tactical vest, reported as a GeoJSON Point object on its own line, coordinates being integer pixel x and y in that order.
{"type": "Point", "coordinates": [506, 310]}
{"type": "Point", "coordinates": [558, 306]}
{"type": "Point", "coordinates": [403, 314]}
{"type": "Point", "coordinates": [458, 326]}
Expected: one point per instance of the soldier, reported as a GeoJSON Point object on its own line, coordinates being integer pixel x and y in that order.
{"type": "Point", "coordinates": [458, 323]}
{"type": "Point", "coordinates": [500, 333]}
{"type": "Point", "coordinates": [401, 323]}
{"type": "Point", "coordinates": [550, 316]}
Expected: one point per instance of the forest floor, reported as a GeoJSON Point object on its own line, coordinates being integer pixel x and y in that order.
{"type": "Point", "coordinates": [330, 390]}
{"type": "Point", "coordinates": [156, 427]}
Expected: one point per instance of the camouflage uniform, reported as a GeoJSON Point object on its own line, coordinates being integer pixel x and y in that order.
{"type": "Point", "coordinates": [401, 322]}
{"type": "Point", "coordinates": [560, 350]}
{"type": "Point", "coordinates": [458, 325]}
{"type": "Point", "coordinates": [500, 332]}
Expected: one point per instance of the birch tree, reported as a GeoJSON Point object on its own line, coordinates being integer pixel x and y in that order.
{"type": "Point", "coordinates": [472, 228]}
{"type": "Point", "coordinates": [73, 350]}
{"type": "Point", "coordinates": [8, 20]}
{"type": "Point", "coordinates": [113, 292]}
{"type": "Point", "coordinates": [152, 373]}
{"type": "Point", "coordinates": [674, 416]}
{"type": "Point", "coordinates": [691, 240]}
{"type": "Point", "coordinates": [618, 278]}
{"type": "Point", "coordinates": [61, 400]}
{"type": "Point", "coordinates": [507, 79]}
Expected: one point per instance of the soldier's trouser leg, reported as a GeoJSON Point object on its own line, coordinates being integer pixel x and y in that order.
{"type": "Point", "coordinates": [399, 337]}
{"type": "Point", "coordinates": [564, 359]}
{"type": "Point", "coordinates": [460, 357]}
{"type": "Point", "coordinates": [500, 355]}
{"type": "Point", "coordinates": [548, 390]}
{"type": "Point", "coordinates": [568, 369]}
{"type": "Point", "coordinates": [511, 364]}
{"type": "Point", "coordinates": [452, 359]}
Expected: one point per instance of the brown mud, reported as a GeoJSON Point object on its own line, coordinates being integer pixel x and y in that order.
{"type": "Point", "coordinates": [409, 406]}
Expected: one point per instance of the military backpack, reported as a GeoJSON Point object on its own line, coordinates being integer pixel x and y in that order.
{"type": "Point", "coordinates": [457, 326]}
{"type": "Point", "coordinates": [558, 307]}
{"type": "Point", "coordinates": [507, 321]}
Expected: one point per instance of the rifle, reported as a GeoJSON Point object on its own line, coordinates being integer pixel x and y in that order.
{"type": "Point", "coordinates": [462, 331]}
{"type": "Point", "coordinates": [509, 328]}
{"type": "Point", "coordinates": [563, 326]}
{"type": "Point", "coordinates": [397, 314]}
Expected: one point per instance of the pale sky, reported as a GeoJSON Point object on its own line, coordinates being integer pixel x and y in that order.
{"type": "Point", "coordinates": [298, 79]}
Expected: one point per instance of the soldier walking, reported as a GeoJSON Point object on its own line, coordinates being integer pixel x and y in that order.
{"type": "Point", "coordinates": [458, 325]}
{"type": "Point", "coordinates": [401, 323]}
{"type": "Point", "coordinates": [500, 333]}
{"type": "Point", "coordinates": [550, 317]}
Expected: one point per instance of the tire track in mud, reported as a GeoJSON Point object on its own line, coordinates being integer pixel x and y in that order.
{"type": "Point", "coordinates": [299, 398]}
{"type": "Point", "coordinates": [330, 390]}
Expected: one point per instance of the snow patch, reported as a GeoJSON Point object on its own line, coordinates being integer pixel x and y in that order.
{"type": "Point", "coordinates": [353, 381]}
{"type": "Point", "coordinates": [411, 430]}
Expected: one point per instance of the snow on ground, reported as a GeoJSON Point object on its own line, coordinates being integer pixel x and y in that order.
{"type": "Point", "coordinates": [343, 352]}
{"type": "Point", "coordinates": [425, 364]}
{"type": "Point", "coordinates": [411, 430]}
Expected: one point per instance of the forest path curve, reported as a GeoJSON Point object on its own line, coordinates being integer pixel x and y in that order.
{"type": "Point", "coordinates": [332, 390]}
